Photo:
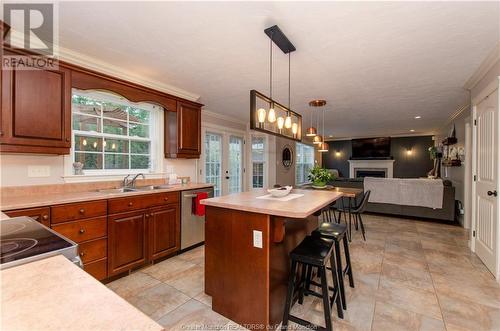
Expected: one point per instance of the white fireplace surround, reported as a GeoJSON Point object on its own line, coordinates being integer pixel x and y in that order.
{"type": "Point", "coordinates": [386, 165]}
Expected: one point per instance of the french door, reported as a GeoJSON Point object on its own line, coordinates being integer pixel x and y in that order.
{"type": "Point", "coordinates": [223, 161]}
{"type": "Point", "coordinates": [486, 184]}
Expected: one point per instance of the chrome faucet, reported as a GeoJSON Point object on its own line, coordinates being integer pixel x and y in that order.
{"type": "Point", "coordinates": [125, 181]}
{"type": "Point", "coordinates": [132, 182]}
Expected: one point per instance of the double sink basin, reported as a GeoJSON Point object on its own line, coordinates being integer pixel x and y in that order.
{"type": "Point", "coordinates": [134, 189]}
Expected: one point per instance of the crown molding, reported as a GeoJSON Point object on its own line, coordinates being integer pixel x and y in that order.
{"type": "Point", "coordinates": [223, 117]}
{"type": "Point", "coordinates": [417, 134]}
{"type": "Point", "coordinates": [484, 67]}
{"type": "Point", "coordinates": [457, 113]}
{"type": "Point", "coordinates": [88, 62]}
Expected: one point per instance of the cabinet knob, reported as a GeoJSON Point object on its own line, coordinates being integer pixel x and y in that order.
{"type": "Point", "coordinates": [147, 215]}
{"type": "Point", "coordinates": [82, 231]}
{"type": "Point", "coordinates": [130, 204]}
{"type": "Point", "coordinates": [45, 217]}
{"type": "Point", "coordinates": [82, 253]}
{"type": "Point", "coordinates": [67, 139]}
{"type": "Point", "coordinates": [166, 199]}
{"type": "Point", "coordinates": [82, 211]}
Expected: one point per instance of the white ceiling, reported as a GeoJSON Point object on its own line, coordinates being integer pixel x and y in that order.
{"type": "Point", "coordinates": [378, 64]}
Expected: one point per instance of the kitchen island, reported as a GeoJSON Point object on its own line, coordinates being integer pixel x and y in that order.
{"type": "Point", "coordinates": [247, 243]}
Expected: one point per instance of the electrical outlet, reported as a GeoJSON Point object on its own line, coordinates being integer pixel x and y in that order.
{"type": "Point", "coordinates": [257, 239]}
{"type": "Point", "coordinates": [38, 171]}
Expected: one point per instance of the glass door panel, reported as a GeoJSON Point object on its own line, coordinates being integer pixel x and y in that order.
{"type": "Point", "coordinates": [213, 161]}
{"type": "Point", "coordinates": [235, 165]}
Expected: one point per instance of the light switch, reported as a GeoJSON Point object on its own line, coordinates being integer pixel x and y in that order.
{"type": "Point", "coordinates": [38, 171]}
{"type": "Point", "coordinates": [257, 239]}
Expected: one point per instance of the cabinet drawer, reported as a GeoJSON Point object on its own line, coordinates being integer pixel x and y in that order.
{"type": "Point", "coordinates": [97, 269]}
{"type": "Point", "coordinates": [93, 250]}
{"type": "Point", "coordinates": [83, 230]}
{"type": "Point", "coordinates": [120, 205]}
{"type": "Point", "coordinates": [76, 211]}
{"type": "Point", "coordinates": [41, 215]}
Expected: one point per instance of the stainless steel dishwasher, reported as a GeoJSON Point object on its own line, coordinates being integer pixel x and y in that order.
{"type": "Point", "coordinates": [192, 226]}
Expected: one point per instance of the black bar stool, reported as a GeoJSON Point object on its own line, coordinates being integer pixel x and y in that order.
{"type": "Point", "coordinates": [337, 233]}
{"type": "Point", "coordinates": [312, 252]}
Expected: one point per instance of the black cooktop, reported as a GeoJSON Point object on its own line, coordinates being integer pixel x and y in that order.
{"type": "Point", "coordinates": [23, 237]}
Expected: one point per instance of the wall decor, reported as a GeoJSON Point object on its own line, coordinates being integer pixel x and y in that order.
{"type": "Point", "coordinates": [287, 157]}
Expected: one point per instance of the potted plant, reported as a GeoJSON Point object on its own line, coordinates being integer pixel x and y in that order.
{"type": "Point", "coordinates": [320, 176]}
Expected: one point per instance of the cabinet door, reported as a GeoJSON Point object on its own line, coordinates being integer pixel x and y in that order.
{"type": "Point", "coordinates": [36, 111]}
{"type": "Point", "coordinates": [41, 215]}
{"type": "Point", "coordinates": [164, 231]}
{"type": "Point", "coordinates": [126, 241]}
{"type": "Point", "coordinates": [189, 129]}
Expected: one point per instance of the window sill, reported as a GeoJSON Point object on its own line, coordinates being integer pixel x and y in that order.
{"type": "Point", "coordinates": [108, 177]}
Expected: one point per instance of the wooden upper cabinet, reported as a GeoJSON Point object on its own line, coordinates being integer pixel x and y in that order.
{"type": "Point", "coordinates": [183, 131]}
{"type": "Point", "coordinates": [36, 111]}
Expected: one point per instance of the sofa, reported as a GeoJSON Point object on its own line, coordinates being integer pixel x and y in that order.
{"type": "Point", "coordinates": [446, 213]}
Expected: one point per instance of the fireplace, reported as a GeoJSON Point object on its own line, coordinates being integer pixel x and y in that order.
{"type": "Point", "coordinates": [371, 168]}
{"type": "Point", "coordinates": [360, 173]}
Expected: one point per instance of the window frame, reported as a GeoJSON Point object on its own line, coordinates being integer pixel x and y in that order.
{"type": "Point", "coordinates": [263, 162]}
{"type": "Point", "coordinates": [155, 136]}
{"type": "Point", "coordinates": [297, 163]}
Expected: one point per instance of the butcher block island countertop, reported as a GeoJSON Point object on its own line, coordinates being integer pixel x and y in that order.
{"type": "Point", "coordinates": [54, 294]}
{"type": "Point", "coordinates": [247, 246]}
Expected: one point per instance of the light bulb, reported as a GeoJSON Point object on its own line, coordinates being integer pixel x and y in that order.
{"type": "Point", "coordinates": [95, 144]}
{"type": "Point", "coordinates": [271, 117]}
{"type": "Point", "coordinates": [113, 146]}
{"type": "Point", "coordinates": [295, 128]}
{"type": "Point", "coordinates": [288, 122]}
{"type": "Point", "coordinates": [281, 121]}
{"type": "Point", "coordinates": [84, 142]}
{"type": "Point", "coordinates": [261, 114]}
{"type": "Point", "coordinates": [104, 143]}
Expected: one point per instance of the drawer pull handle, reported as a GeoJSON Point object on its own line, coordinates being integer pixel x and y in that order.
{"type": "Point", "coordinates": [82, 253]}
{"type": "Point", "coordinates": [165, 199]}
{"type": "Point", "coordinates": [45, 217]}
{"type": "Point", "coordinates": [82, 211]}
{"type": "Point", "coordinates": [130, 204]}
{"type": "Point", "coordinates": [82, 231]}
{"type": "Point", "coordinates": [147, 215]}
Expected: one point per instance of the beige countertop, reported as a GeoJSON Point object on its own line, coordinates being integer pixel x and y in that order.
{"type": "Point", "coordinates": [30, 201]}
{"type": "Point", "coordinates": [301, 207]}
{"type": "Point", "coordinates": [54, 294]}
{"type": "Point", "coordinates": [3, 216]}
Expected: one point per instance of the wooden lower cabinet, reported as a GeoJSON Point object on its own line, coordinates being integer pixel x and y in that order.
{"type": "Point", "coordinates": [164, 231]}
{"type": "Point", "coordinates": [126, 241]}
{"type": "Point", "coordinates": [41, 215]}
{"type": "Point", "coordinates": [98, 269]}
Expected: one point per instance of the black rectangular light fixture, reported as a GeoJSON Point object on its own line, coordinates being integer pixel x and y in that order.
{"type": "Point", "coordinates": [279, 38]}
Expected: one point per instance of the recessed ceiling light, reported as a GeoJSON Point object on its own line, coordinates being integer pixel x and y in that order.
{"type": "Point", "coordinates": [418, 117]}
{"type": "Point", "coordinates": [412, 130]}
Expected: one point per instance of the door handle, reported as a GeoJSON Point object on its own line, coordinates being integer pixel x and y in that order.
{"type": "Point", "coordinates": [492, 193]}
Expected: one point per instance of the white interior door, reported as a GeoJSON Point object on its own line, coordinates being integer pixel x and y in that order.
{"type": "Point", "coordinates": [212, 159]}
{"type": "Point", "coordinates": [486, 199]}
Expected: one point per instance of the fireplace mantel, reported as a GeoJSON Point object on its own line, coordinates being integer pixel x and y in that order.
{"type": "Point", "coordinates": [387, 165]}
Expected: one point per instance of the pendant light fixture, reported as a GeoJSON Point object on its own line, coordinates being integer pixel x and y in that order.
{"type": "Point", "coordinates": [266, 114]}
{"type": "Point", "coordinates": [323, 146]}
{"type": "Point", "coordinates": [288, 119]}
{"type": "Point", "coordinates": [311, 131]}
{"type": "Point", "coordinates": [317, 138]}
{"type": "Point", "coordinates": [271, 117]}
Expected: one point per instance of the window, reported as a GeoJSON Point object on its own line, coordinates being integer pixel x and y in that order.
{"type": "Point", "coordinates": [258, 161]}
{"type": "Point", "coordinates": [111, 134]}
{"type": "Point", "coordinates": [213, 161]}
{"type": "Point", "coordinates": [304, 162]}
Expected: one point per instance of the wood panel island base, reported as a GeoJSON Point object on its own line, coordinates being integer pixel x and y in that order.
{"type": "Point", "coordinates": [247, 279]}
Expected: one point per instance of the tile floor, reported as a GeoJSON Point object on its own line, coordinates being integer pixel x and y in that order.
{"type": "Point", "coordinates": [409, 275]}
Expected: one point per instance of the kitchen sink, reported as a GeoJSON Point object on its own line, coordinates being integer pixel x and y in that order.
{"type": "Point", "coordinates": [151, 187]}
{"type": "Point", "coordinates": [117, 190]}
